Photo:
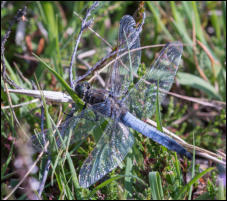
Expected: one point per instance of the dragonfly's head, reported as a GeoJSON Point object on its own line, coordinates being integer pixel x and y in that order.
{"type": "Point", "coordinates": [81, 89]}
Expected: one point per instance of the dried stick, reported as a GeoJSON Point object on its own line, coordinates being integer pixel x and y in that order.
{"type": "Point", "coordinates": [20, 15]}
{"type": "Point", "coordinates": [84, 25]}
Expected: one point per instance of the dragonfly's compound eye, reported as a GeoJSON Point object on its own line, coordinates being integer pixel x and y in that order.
{"type": "Point", "coordinates": [87, 85]}
{"type": "Point", "coordinates": [82, 88]}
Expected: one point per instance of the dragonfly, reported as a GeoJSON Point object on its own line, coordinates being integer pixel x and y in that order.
{"type": "Point", "coordinates": [122, 105]}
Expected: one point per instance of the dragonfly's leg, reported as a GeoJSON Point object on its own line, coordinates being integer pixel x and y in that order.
{"type": "Point", "coordinates": [85, 105]}
{"type": "Point", "coordinates": [69, 114]}
{"type": "Point", "coordinates": [97, 117]}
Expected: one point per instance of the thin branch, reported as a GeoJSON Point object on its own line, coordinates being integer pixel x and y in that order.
{"type": "Point", "coordinates": [19, 16]}
{"type": "Point", "coordinates": [14, 115]}
{"type": "Point", "coordinates": [84, 25]}
{"type": "Point", "coordinates": [100, 37]}
{"type": "Point", "coordinates": [45, 174]}
{"type": "Point", "coordinates": [20, 105]}
{"type": "Point", "coordinates": [102, 82]}
{"type": "Point", "coordinates": [21, 74]}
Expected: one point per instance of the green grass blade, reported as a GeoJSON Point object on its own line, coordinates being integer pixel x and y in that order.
{"type": "Point", "coordinates": [224, 17]}
{"type": "Point", "coordinates": [58, 55]}
{"type": "Point", "coordinates": [12, 74]}
{"type": "Point", "coordinates": [107, 182]}
{"type": "Point", "coordinates": [156, 186]}
{"type": "Point", "coordinates": [128, 180]}
{"type": "Point", "coordinates": [198, 27]}
{"type": "Point", "coordinates": [193, 180]}
{"type": "Point", "coordinates": [215, 20]}
{"type": "Point", "coordinates": [158, 114]}
{"type": "Point", "coordinates": [180, 24]}
{"type": "Point", "coordinates": [5, 165]}
{"type": "Point", "coordinates": [178, 168]}
{"type": "Point", "coordinates": [187, 10]}
{"type": "Point", "coordinates": [48, 9]}
{"type": "Point", "coordinates": [158, 19]}
{"type": "Point", "coordinates": [77, 100]}
{"type": "Point", "coordinates": [193, 168]}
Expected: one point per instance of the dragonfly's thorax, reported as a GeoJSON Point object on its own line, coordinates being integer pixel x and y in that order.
{"type": "Point", "coordinates": [101, 100]}
{"type": "Point", "coordinates": [91, 96]}
{"type": "Point", "coordinates": [82, 89]}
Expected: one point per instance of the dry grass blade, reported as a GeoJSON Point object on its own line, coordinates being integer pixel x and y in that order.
{"type": "Point", "coordinates": [49, 95]}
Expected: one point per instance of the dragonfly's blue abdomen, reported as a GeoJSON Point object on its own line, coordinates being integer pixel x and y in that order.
{"type": "Point", "coordinates": [130, 120]}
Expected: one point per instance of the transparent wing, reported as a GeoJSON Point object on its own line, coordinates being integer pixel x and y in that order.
{"type": "Point", "coordinates": [121, 72]}
{"type": "Point", "coordinates": [141, 99]}
{"type": "Point", "coordinates": [81, 125]}
{"type": "Point", "coordinates": [110, 150]}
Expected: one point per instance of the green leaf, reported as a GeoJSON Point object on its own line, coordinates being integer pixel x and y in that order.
{"type": "Point", "coordinates": [198, 83]}
{"type": "Point", "coordinates": [180, 25]}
